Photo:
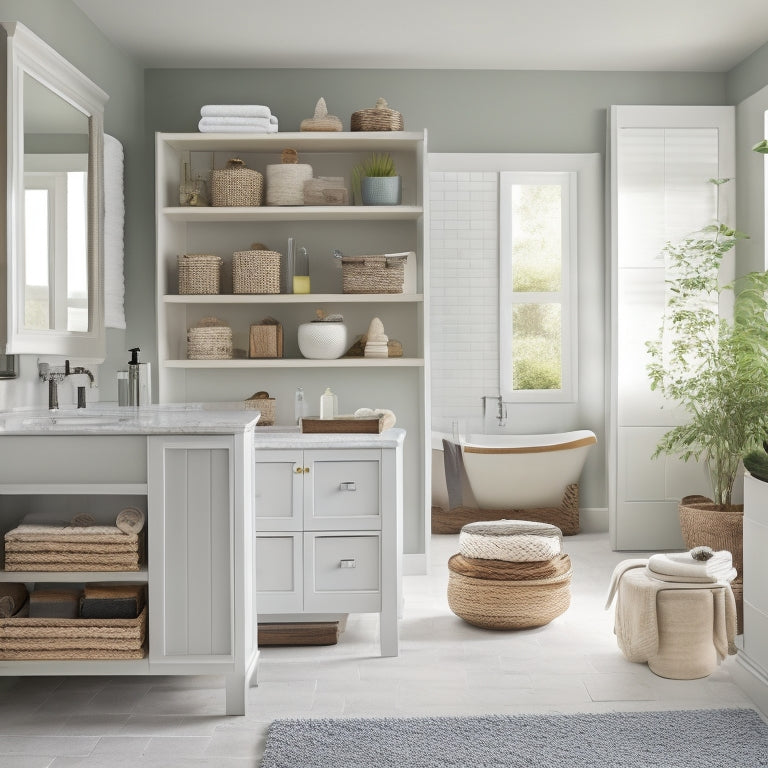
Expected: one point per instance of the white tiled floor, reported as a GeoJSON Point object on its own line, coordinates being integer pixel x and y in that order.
{"type": "Point", "coordinates": [446, 667]}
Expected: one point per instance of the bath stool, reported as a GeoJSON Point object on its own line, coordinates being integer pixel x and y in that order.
{"type": "Point", "coordinates": [681, 630]}
{"type": "Point", "coordinates": [509, 574]}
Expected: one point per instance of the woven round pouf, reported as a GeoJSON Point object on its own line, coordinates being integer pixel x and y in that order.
{"type": "Point", "coordinates": [509, 574]}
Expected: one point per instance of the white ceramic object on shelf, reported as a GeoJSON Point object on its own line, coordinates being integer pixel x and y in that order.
{"type": "Point", "coordinates": [322, 341]}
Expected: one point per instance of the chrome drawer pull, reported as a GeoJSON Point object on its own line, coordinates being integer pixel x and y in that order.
{"type": "Point", "coordinates": [347, 486]}
{"type": "Point", "coordinates": [350, 563]}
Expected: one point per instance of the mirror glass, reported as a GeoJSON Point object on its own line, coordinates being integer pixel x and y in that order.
{"type": "Point", "coordinates": [55, 212]}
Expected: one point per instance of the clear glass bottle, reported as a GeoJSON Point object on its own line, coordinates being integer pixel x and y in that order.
{"type": "Point", "coordinates": [298, 405]}
{"type": "Point", "coordinates": [301, 272]}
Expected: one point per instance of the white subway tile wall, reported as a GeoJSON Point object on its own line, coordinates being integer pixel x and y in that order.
{"type": "Point", "coordinates": [464, 296]}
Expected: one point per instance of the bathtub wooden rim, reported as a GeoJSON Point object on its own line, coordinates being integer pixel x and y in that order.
{"type": "Point", "coordinates": [580, 443]}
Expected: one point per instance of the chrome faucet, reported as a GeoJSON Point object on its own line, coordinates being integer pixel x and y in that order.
{"type": "Point", "coordinates": [54, 375]}
{"type": "Point", "coordinates": [501, 413]}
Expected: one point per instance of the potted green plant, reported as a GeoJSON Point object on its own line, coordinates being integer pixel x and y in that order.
{"type": "Point", "coordinates": [375, 180]}
{"type": "Point", "coordinates": [716, 369]}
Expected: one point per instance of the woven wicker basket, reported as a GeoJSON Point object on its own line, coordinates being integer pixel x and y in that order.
{"type": "Point", "coordinates": [199, 273]}
{"type": "Point", "coordinates": [261, 401]}
{"type": "Point", "coordinates": [25, 638]}
{"type": "Point", "coordinates": [236, 185]}
{"type": "Point", "coordinates": [256, 271]}
{"type": "Point", "coordinates": [210, 339]}
{"type": "Point", "coordinates": [373, 274]}
{"type": "Point", "coordinates": [285, 182]}
{"type": "Point", "coordinates": [380, 118]}
{"type": "Point", "coordinates": [496, 603]}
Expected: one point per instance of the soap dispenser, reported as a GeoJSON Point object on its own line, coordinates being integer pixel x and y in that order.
{"type": "Point", "coordinates": [139, 380]}
{"type": "Point", "coordinates": [328, 404]}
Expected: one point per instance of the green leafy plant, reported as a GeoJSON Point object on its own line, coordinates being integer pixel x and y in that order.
{"type": "Point", "coordinates": [376, 165]}
{"type": "Point", "coordinates": [715, 368]}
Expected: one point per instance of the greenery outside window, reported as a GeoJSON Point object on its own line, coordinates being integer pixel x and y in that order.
{"type": "Point", "coordinates": [537, 294]}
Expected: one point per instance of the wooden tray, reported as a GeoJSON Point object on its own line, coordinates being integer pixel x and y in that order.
{"type": "Point", "coordinates": [370, 425]}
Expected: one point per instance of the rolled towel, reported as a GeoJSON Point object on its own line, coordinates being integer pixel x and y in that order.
{"type": "Point", "coordinates": [12, 597]}
{"type": "Point", "coordinates": [235, 110]}
{"type": "Point", "coordinates": [683, 564]}
{"type": "Point", "coordinates": [130, 520]}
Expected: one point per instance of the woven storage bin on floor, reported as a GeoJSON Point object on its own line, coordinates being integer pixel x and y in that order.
{"type": "Point", "coordinates": [264, 404]}
{"type": "Point", "coordinates": [491, 600]}
{"type": "Point", "coordinates": [380, 118]}
{"type": "Point", "coordinates": [373, 274]}
{"type": "Point", "coordinates": [236, 185]}
{"type": "Point", "coordinates": [199, 273]}
{"type": "Point", "coordinates": [210, 339]}
{"type": "Point", "coordinates": [256, 272]}
{"type": "Point", "coordinates": [26, 638]}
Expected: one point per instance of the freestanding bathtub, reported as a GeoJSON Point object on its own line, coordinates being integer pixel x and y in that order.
{"type": "Point", "coordinates": [533, 477]}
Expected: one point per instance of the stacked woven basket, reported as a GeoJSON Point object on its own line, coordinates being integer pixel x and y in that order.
{"type": "Point", "coordinates": [509, 574]}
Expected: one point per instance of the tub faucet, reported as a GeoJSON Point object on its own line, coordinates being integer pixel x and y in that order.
{"type": "Point", "coordinates": [501, 412]}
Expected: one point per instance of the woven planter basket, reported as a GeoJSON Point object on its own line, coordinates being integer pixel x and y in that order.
{"type": "Point", "coordinates": [25, 638]}
{"type": "Point", "coordinates": [256, 272]}
{"type": "Point", "coordinates": [380, 118]}
{"type": "Point", "coordinates": [285, 182]}
{"type": "Point", "coordinates": [209, 340]}
{"type": "Point", "coordinates": [490, 601]}
{"type": "Point", "coordinates": [373, 274]}
{"type": "Point", "coordinates": [704, 525]}
{"type": "Point", "coordinates": [236, 185]}
{"type": "Point", "coordinates": [199, 273]}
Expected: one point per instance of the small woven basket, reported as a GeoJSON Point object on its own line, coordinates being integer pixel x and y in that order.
{"type": "Point", "coordinates": [210, 339]}
{"type": "Point", "coordinates": [256, 271]}
{"type": "Point", "coordinates": [285, 182]}
{"type": "Point", "coordinates": [236, 185]}
{"type": "Point", "coordinates": [199, 273]}
{"type": "Point", "coordinates": [261, 401]}
{"type": "Point", "coordinates": [373, 274]}
{"type": "Point", "coordinates": [380, 118]}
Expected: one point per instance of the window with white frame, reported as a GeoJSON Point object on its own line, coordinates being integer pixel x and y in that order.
{"type": "Point", "coordinates": [537, 292]}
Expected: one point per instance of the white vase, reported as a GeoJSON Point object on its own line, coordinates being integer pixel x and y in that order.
{"type": "Point", "coordinates": [322, 341]}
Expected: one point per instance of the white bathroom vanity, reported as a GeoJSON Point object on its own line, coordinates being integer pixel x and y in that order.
{"type": "Point", "coordinates": [239, 521]}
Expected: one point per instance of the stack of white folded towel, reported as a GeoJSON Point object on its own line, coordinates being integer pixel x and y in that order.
{"type": "Point", "coordinates": [237, 118]}
{"type": "Point", "coordinates": [684, 567]}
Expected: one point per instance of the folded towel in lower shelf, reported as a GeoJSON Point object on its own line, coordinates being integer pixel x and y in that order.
{"type": "Point", "coordinates": [112, 601]}
{"type": "Point", "coordinates": [54, 603]}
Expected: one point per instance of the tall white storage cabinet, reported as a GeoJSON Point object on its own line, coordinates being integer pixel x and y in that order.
{"type": "Point", "coordinates": [398, 383]}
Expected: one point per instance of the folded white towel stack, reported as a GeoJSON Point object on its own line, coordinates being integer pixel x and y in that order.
{"type": "Point", "coordinates": [236, 118]}
{"type": "Point", "coordinates": [683, 567]}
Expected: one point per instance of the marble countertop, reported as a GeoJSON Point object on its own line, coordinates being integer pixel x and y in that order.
{"type": "Point", "coordinates": [184, 418]}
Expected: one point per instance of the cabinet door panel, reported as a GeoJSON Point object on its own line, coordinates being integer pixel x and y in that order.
{"type": "Point", "coordinates": [278, 490]}
{"type": "Point", "coordinates": [342, 572]}
{"type": "Point", "coordinates": [278, 573]}
{"type": "Point", "coordinates": [342, 490]}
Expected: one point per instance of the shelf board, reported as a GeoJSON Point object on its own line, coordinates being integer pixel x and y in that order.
{"type": "Point", "coordinates": [306, 141]}
{"type": "Point", "coordinates": [295, 298]}
{"type": "Point", "coordinates": [285, 362]}
{"type": "Point", "coordinates": [293, 213]}
{"type": "Point", "coordinates": [139, 576]}
{"type": "Point", "coordinates": [69, 489]}
{"type": "Point", "coordinates": [75, 667]}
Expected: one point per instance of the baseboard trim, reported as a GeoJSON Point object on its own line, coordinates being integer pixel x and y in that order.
{"type": "Point", "coordinates": [752, 679]}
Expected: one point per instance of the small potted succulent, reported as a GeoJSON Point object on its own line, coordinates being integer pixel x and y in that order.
{"type": "Point", "coordinates": [377, 181]}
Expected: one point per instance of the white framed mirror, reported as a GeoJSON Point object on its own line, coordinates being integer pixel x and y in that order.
{"type": "Point", "coordinates": [54, 207]}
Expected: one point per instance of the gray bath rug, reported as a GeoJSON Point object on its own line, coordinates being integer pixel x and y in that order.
{"type": "Point", "coordinates": [716, 738]}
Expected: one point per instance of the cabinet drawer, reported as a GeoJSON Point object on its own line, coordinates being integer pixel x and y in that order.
{"type": "Point", "coordinates": [344, 490]}
{"type": "Point", "coordinates": [342, 572]}
{"type": "Point", "coordinates": [278, 561]}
